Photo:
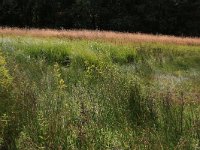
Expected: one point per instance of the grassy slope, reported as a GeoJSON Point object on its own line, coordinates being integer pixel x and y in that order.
{"type": "Point", "coordinates": [80, 94]}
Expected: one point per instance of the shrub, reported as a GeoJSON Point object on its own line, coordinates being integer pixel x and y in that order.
{"type": "Point", "coordinates": [5, 78]}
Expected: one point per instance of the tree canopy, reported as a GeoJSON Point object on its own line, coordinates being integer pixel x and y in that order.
{"type": "Point", "coordinates": [176, 17]}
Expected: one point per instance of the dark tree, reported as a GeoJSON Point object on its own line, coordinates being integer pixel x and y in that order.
{"type": "Point", "coordinates": [176, 17]}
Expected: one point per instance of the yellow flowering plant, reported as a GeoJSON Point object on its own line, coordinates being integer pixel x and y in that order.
{"type": "Point", "coordinates": [5, 78]}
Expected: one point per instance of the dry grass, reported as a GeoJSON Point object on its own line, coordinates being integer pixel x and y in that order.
{"type": "Point", "coordinates": [116, 37]}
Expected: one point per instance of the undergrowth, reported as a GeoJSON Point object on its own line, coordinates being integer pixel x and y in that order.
{"type": "Point", "coordinates": [65, 94]}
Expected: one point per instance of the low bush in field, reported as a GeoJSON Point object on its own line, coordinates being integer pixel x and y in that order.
{"type": "Point", "coordinates": [5, 78]}
{"type": "Point", "coordinates": [5, 87]}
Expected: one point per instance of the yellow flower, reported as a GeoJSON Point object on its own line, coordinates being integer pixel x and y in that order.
{"type": "Point", "coordinates": [62, 82]}
{"type": "Point", "coordinates": [5, 78]}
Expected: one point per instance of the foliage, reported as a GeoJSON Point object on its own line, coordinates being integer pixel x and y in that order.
{"type": "Point", "coordinates": [176, 17]}
{"type": "Point", "coordinates": [5, 78]}
{"type": "Point", "coordinates": [142, 96]}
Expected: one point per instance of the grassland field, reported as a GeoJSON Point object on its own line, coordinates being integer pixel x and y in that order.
{"type": "Point", "coordinates": [98, 90]}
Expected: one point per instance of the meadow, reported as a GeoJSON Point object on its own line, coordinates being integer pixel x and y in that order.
{"type": "Point", "coordinates": [98, 90]}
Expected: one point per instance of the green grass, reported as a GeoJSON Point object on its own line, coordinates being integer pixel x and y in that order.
{"type": "Point", "coordinates": [79, 94]}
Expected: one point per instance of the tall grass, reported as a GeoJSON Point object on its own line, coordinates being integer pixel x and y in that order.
{"type": "Point", "coordinates": [114, 37]}
{"type": "Point", "coordinates": [79, 94]}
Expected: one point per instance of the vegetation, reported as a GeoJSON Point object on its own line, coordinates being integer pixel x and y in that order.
{"type": "Point", "coordinates": [175, 17]}
{"type": "Point", "coordinates": [112, 37]}
{"type": "Point", "coordinates": [62, 93]}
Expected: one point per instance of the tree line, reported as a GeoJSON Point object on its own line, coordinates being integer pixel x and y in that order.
{"type": "Point", "coordinates": [177, 17]}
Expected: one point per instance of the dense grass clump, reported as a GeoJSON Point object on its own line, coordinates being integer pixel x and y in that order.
{"type": "Point", "coordinates": [77, 94]}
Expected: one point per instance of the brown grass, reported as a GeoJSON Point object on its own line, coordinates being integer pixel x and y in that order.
{"type": "Point", "coordinates": [116, 37]}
